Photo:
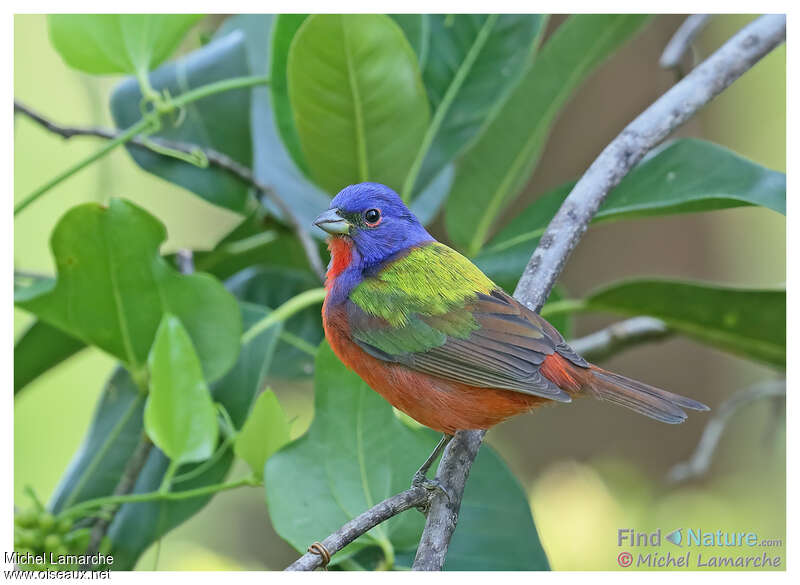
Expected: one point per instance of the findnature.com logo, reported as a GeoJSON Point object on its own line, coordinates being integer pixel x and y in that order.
{"type": "Point", "coordinates": [696, 537]}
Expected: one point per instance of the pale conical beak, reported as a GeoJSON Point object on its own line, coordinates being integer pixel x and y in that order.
{"type": "Point", "coordinates": [332, 222]}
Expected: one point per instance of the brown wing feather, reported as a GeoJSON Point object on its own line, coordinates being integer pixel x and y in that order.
{"type": "Point", "coordinates": [506, 351]}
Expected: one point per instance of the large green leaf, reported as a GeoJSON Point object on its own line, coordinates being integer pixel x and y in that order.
{"type": "Point", "coordinates": [40, 348]}
{"type": "Point", "coordinates": [117, 43]}
{"type": "Point", "coordinates": [357, 453]}
{"type": "Point", "coordinates": [475, 60]}
{"type": "Point", "coordinates": [499, 164]}
{"type": "Point", "coordinates": [427, 204]}
{"type": "Point", "coordinates": [687, 176]}
{"type": "Point", "coordinates": [284, 28]}
{"type": "Point", "coordinates": [357, 96]}
{"type": "Point", "coordinates": [272, 163]}
{"type": "Point", "coordinates": [116, 430]}
{"type": "Point", "coordinates": [113, 288]}
{"type": "Point", "coordinates": [264, 432]}
{"type": "Point", "coordinates": [495, 533]}
{"type": "Point", "coordinates": [179, 416]}
{"type": "Point", "coordinates": [258, 239]}
{"type": "Point", "coordinates": [113, 435]}
{"type": "Point", "coordinates": [417, 28]}
{"type": "Point", "coordinates": [137, 526]}
{"type": "Point", "coordinates": [748, 322]}
{"type": "Point", "coordinates": [220, 121]}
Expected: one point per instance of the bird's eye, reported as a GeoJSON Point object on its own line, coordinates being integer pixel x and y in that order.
{"type": "Point", "coordinates": [372, 217]}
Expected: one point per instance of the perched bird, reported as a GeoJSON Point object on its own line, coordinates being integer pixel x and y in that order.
{"type": "Point", "coordinates": [426, 329]}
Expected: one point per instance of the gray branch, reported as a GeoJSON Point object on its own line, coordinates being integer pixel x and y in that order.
{"type": "Point", "coordinates": [700, 461]}
{"type": "Point", "coordinates": [676, 106]}
{"type": "Point", "coordinates": [650, 128]}
{"type": "Point", "coordinates": [682, 40]}
{"type": "Point", "coordinates": [603, 344]}
{"type": "Point", "coordinates": [411, 498]}
{"type": "Point", "coordinates": [215, 158]}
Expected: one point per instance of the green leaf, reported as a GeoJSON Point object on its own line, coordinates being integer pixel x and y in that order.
{"type": "Point", "coordinates": [495, 533]}
{"type": "Point", "coordinates": [265, 431]}
{"type": "Point", "coordinates": [116, 430]}
{"type": "Point", "coordinates": [475, 60]}
{"type": "Point", "coordinates": [358, 100]}
{"type": "Point", "coordinates": [179, 416]}
{"type": "Point", "coordinates": [417, 29]}
{"type": "Point", "coordinates": [357, 453]}
{"type": "Point", "coordinates": [113, 435]}
{"type": "Point", "coordinates": [748, 322]}
{"type": "Point", "coordinates": [498, 166]}
{"type": "Point", "coordinates": [258, 239]}
{"type": "Point", "coordinates": [284, 28]}
{"type": "Point", "coordinates": [272, 164]}
{"type": "Point", "coordinates": [117, 43]}
{"type": "Point", "coordinates": [563, 322]}
{"type": "Point", "coordinates": [113, 288]}
{"type": "Point", "coordinates": [220, 121]}
{"type": "Point", "coordinates": [687, 176]}
{"type": "Point", "coordinates": [40, 348]}
{"type": "Point", "coordinates": [271, 286]}
{"type": "Point", "coordinates": [428, 203]}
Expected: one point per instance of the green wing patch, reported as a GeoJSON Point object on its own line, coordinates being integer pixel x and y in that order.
{"type": "Point", "coordinates": [429, 281]}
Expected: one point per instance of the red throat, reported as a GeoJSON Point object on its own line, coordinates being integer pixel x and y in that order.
{"type": "Point", "coordinates": [341, 253]}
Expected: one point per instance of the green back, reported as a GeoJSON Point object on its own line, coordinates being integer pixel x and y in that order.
{"type": "Point", "coordinates": [418, 300]}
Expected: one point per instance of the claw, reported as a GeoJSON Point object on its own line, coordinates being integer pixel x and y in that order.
{"type": "Point", "coordinates": [432, 485]}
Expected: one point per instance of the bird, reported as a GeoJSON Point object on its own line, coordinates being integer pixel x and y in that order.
{"type": "Point", "coordinates": [431, 333]}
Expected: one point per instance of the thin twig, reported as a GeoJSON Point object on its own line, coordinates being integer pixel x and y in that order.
{"type": "Point", "coordinates": [603, 344]}
{"type": "Point", "coordinates": [411, 498]}
{"type": "Point", "coordinates": [707, 80]}
{"type": "Point", "coordinates": [185, 261]}
{"type": "Point", "coordinates": [215, 158]}
{"type": "Point", "coordinates": [125, 486]}
{"type": "Point", "coordinates": [682, 40]}
{"type": "Point", "coordinates": [700, 461]}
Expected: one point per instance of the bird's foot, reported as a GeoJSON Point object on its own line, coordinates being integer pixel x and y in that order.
{"type": "Point", "coordinates": [432, 485]}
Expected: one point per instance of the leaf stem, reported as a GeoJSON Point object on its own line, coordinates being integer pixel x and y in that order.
{"type": "Point", "coordinates": [218, 87]}
{"type": "Point", "coordinates": [294, 305]}
{"type": "Point", "coordinates": [140, 126]}
{"type": "Point", "coordinates": [166, 481]}
{"type": "Point", "coordinates": [565, 306]}
{"type": "Point", "coordinates": [88, 505]}
{"type": "Point", "coordinates": [148, 123]}
{"type": "Point", "coordinates": [444, 106]}
{"type": "Point", "coordinates": [388, 555]}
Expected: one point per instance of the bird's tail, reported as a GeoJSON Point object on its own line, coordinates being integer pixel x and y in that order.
{"type": "Point", "coordinates": [639, 397]}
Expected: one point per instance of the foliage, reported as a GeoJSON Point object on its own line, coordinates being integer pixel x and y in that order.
{"type": "Point", "coordinates": [453, 111]}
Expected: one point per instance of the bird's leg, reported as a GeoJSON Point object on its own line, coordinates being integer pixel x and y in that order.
{"type": "Point", "coordinates": [420, 477]}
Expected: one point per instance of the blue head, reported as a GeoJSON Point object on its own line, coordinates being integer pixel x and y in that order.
{"type": "Point", "coordinates": [375, 219]}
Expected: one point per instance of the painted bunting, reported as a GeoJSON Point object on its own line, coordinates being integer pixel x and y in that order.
{"type": "Point", "coordinates": [426, 329]}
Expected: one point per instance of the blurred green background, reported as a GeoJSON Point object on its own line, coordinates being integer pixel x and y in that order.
{"type": "Point", "coordinates": [588, 468]}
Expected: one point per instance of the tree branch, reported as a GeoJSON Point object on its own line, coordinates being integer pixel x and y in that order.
{"type": "Point", "coordinates": [700, 461]}
{"type": "Point", "coordinates": [215, 158]}
{"type": "Point", "coordinates": [603, 344]}
{"type": "Point", "coordinates": [671, 110]}
{"type": "Point", "coordinates": [411, 498]}
{"type": "Point", "coordinates": [650, 128]}
{"type": "Point", "coordinates": [682, 40]}
{"type": "Point", "coordinates": [125, 485]}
